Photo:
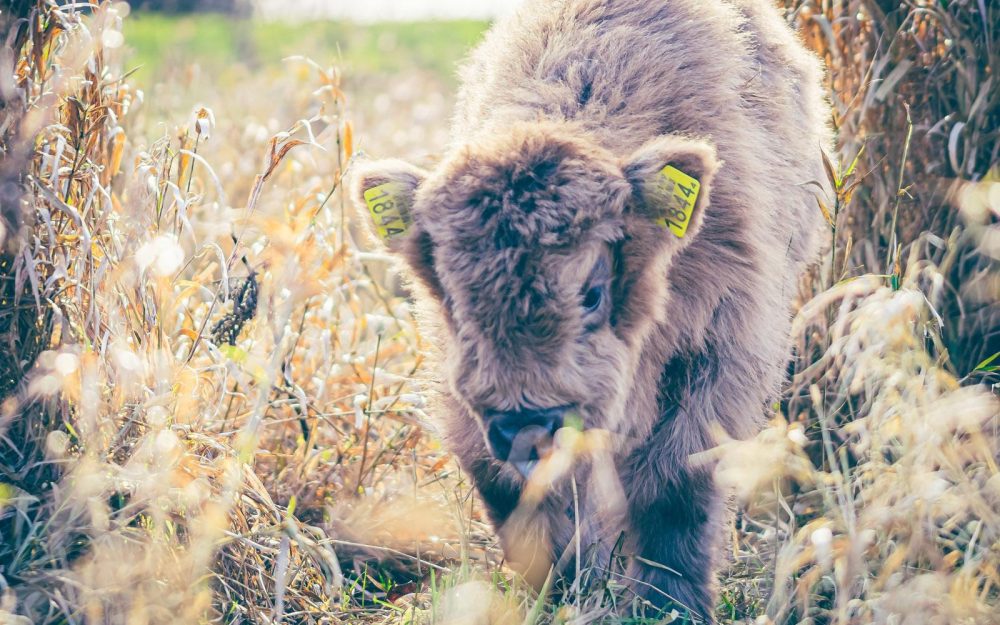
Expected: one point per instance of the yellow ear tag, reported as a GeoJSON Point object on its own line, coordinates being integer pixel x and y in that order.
{"type": "Point", "coordinates": [389, 205]}
{"type": "Point", "coordinates": [680, 191]}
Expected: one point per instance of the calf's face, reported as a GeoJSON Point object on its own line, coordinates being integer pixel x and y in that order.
{"type": "Point", "coordinates": [547, 258]}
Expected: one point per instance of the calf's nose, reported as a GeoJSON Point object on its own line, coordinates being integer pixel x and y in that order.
{"type": "Point", "coordinates": [521, 437]}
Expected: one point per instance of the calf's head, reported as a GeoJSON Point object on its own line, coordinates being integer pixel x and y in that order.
{"type": "Point", "coordinates": [547, 258]}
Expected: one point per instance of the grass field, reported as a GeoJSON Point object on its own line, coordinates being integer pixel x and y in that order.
{"type": "Point", "coordinates": [216, 42]}
{"type": "Point", "coordinates": [396, 77]}
{"type": "Point", "coordinates": [210, 398]}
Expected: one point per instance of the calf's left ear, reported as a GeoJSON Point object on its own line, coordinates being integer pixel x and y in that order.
{"type": "Point", "coordinates": [671, 179]}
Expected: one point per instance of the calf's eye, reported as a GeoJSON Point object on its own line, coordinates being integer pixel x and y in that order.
{"type": "Point", "coordinates": [593, 297]}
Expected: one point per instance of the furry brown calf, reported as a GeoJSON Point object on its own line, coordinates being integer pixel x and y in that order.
{"type": "Point", "coordinates": [612, 241]}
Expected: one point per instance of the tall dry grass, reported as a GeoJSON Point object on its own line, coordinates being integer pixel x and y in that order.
{"type": "Point", "coordinates": [223, 377]}
{"type": "Point", "coordinates": [879, 502]}
{"type": "Point", "coordinates": [210, 413]}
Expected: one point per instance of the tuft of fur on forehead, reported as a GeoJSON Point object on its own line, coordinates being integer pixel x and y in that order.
{"type": "Point", "coordinates": [503, 214]}
{"type": "Point", "coordinates": [533, 186]}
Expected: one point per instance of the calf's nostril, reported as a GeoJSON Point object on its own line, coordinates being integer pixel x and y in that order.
{"type": "Point", "coordinates": [522, 435]}
{"type": "Point", "coordinates": [500, 439]}
{"type": "Point", "coordinates": [552, 420]}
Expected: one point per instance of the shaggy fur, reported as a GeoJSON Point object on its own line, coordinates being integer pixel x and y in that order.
{"type": "Point", "coordinates": [567, 112]}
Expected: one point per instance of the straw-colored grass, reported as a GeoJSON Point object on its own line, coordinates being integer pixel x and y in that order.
{"type": "Point", "coordinates": [210, 408]}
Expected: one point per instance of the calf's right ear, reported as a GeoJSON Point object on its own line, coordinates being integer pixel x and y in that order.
{"type": "Point", "coordinates": [383, 191]}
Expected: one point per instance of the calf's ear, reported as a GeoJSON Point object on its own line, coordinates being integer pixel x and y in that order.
{"type": "Point", "coordinates": [384, 192]}
{"type": "Point", "coordinates": [671, 178]}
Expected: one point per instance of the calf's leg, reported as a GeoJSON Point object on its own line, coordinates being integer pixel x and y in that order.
{"type": "Point", "coordinates": [676, 534]}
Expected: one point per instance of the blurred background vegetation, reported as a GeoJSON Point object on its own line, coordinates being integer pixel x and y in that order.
{"type": "Point", "coordinates": [163, 43]}
{"type": "Point", "coordinates": [230, 7]}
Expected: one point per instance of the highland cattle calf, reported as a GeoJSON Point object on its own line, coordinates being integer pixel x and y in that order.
{"type": "Point", "coordinates": [611, 244]}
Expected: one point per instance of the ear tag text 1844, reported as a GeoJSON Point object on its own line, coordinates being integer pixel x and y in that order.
{"type": "Point", "coordinates": [388, 203]}
{"type": "Point", "coordinates": [680, 192]}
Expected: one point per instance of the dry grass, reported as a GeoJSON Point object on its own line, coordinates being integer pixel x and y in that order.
{"type": "Point", "coordinates": [223, 425]}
